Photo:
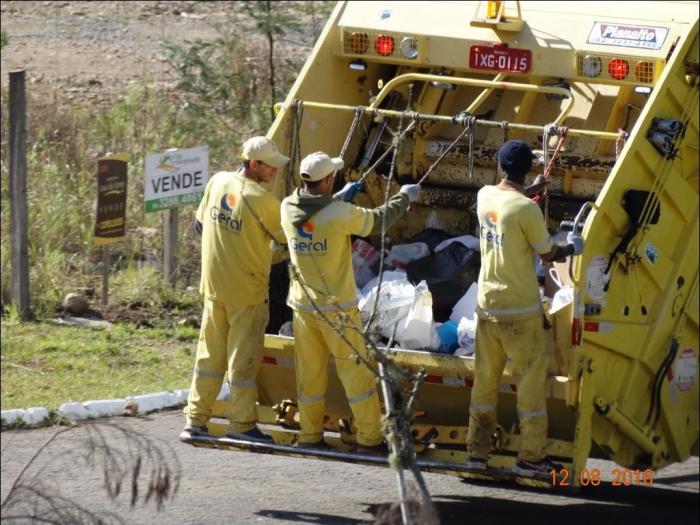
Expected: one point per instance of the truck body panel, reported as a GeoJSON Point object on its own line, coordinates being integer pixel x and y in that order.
{"type": "Point", "coordinates": [624, 383]}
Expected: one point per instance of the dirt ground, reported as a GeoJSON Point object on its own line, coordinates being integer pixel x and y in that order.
{"type": "Point", "coordinates": [92, 51]}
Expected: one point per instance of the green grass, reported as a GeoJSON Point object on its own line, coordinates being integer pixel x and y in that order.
{"type": "Point", "coordinates": [48, 365]}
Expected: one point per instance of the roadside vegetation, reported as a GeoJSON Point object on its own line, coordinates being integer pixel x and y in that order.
{"type": "Point", "coordinates": [255, 58]}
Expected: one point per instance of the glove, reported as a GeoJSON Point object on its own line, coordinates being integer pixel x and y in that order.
{"type": "Point", "coordinates": [411, 191]}
{"type": "Point", "coordinates": [349, 191]}
{"type": "Point", "coordinates": [576, 241]}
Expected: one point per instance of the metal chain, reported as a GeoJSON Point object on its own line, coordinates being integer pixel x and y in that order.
{"type": "Point", "coordinates": [351, 132]}
{"type": "Point", "coordinates": [506, 131]}
{"type": "Point", "coordinates": [620, 142]}
{"type": "Point", "coordinates": [468, 123]}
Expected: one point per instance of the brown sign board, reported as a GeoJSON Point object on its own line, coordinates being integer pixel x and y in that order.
{"type": "Point", "coordinates": [110, 219]}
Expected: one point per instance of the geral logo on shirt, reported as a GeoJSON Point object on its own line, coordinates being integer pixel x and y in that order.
{"type": "Point", "coordinates": [223, 214]}
{"type": "Point", "coordinates": [489, 232]}
{"type": "Point", "coordinates": [308, 247]}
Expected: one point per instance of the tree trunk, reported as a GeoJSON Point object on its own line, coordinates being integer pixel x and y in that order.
{"type": "Point", "coordinates": [271, 54]}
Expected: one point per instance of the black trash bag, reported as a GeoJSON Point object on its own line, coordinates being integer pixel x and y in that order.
{"type": "Point", "coordinates": [430, 236]}
{"type": "Point", "coordinates": [449, 274]}
{"type": "Point", "coordinates": [634, 202]}
{"type": "Point", "coordinates": [280, 313]}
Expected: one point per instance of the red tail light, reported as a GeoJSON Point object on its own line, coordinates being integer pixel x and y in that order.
{"type": "Point", "coordinates": [618, 68]}
{"type": "Point", "coordinates": [384, 44]}
{"type": "Point", "coordinates": [576, 332]}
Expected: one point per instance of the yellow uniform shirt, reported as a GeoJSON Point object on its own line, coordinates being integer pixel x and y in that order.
{"type": "Point", "coordinates": [236, 252]}
{"type": "Point", "coordinates": [320, 251]}
{"type": "Point", "coordinates": [512, 230]}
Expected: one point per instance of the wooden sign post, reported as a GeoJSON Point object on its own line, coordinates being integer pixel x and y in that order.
{"type": "Point", "coordinates": [19, 251]}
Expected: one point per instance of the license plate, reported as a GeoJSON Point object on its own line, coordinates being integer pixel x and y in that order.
{"type": "Point", "coordinates": [500, 58]}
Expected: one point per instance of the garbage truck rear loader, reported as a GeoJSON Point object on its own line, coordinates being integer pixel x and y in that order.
{"type": "Point", "coordinates": [606, 94]}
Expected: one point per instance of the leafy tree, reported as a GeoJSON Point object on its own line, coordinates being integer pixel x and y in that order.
{"type": "Point", "coordinates": [260, 50]}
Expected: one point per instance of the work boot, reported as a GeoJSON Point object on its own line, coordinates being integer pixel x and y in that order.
{"type": "Point", "coordinates": [196, 430]}
{"type": "Point", "coordinates": [536, 469]}
{"type": "Point", "coordinates": [476, 464]}
{"type": "Point", "coordinates": [254, 434]}
{"type": "Point", "coordinates": [319, 445]}
{"type": "Point", "coordinates": [376, 450]}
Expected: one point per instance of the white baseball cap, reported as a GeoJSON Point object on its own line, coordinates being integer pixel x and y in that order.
{"type": "Point", "coordinates": [318, 165]}
{"type": "Point", "coordinates": [264, 150]}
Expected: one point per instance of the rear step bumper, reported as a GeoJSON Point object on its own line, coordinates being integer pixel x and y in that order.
{"type": "Point", "coordinates": [455, 469]}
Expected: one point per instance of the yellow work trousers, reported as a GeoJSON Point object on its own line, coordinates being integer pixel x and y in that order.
{"type": "Point", "coordinates": [230, 344]}
{"type": "Point", "coordinates": [524, 343]}
{"type": "Point", "coordinates": [315, 339]}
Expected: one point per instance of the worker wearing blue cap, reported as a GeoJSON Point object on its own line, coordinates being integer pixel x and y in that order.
{"type": "Point", "coordinates": [509, 310]}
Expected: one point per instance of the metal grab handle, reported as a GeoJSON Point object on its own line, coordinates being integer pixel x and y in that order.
{"type": "Point", "coordinates": [578, 226]}
{"type": "Point", "coordinates": [602, 135]}
{"type": "Point", "coordinates": [493, 84]}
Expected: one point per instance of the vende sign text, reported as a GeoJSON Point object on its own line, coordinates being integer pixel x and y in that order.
{"type": "Point", "coordinates": [175, 178]}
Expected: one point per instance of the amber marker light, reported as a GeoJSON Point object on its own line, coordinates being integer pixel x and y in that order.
{"type": "Point", "coordinates": [644, 72]}
{"type": "Point", "coordinates": [358, 43]}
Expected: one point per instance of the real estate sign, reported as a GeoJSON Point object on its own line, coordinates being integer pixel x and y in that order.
{"type": "Point", "coordinates": [110, 217]}
{"type": "Point", "coordinates": [175, 178]}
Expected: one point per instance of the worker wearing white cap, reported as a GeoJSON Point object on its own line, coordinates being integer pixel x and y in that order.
{"type": "Point", "coordinates": [322, 295]}
{"type": "Point", "coordinates": [236, 217]}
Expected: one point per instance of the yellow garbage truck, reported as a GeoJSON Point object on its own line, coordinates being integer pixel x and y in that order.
{"type": "Point", "coordinates": [606, 94]}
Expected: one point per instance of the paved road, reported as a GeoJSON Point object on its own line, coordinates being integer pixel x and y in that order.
{"type": "Point", "coordinates": [220, 487]}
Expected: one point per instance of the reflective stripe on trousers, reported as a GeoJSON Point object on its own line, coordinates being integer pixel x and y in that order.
{"type": "Point", "coordinates": [315, 340]}
{"type": "Point", "coordinates": [230, 344]}
{"type": "Point", "coordinates": [525, 344]}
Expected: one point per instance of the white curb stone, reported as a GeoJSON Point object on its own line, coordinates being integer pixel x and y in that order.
{"type": "Point", "coordinates": [73, 411]}
{"type": "Point", "coordinates": [105, 407]}
{"type": "Point", "coordinates": [35, 415]}
{"type": "Point", "coordinates": [11, 416]}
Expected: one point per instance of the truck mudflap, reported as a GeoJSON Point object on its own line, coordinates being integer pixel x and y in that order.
{"type": "Point", "coordinates": [451, 462]}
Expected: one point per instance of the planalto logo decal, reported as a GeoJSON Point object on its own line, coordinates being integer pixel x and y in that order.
{"type": "Point", "coordinates": [623, 35]}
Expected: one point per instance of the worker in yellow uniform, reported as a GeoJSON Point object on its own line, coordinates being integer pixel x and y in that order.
{"type": "Point", "coordinates": [236, 218]}
{"type": "Point", "coordinates": [510, 315]}
{"type": "Point", "coordinates": [322, 295]}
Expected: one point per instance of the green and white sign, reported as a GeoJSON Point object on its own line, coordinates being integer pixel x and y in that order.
{"type": "Point", "coordinates": [175, 178]}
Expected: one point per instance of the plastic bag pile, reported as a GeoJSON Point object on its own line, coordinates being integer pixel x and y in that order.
{"type": "Point", "coordinates": [427, 296]}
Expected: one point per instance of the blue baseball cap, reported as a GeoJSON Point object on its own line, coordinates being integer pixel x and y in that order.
{"type": "Point", "coordinates": [515, 158]}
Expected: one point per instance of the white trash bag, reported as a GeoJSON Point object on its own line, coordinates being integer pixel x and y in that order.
{"type": "Point", "coordinates": [466, 337]}
{"type": "Point", "coordinates": [466, 306]}
{"type": "Point", "coordinates": [395, 300]}
{"type": "Point", "coordinates": [418, 327]}
{"type": "Point", "coordinates": [563, 297]}
{"type": "Point", "coordinates": [469, 241]}
{"type": "Point", "coordinates": [402, 254]}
